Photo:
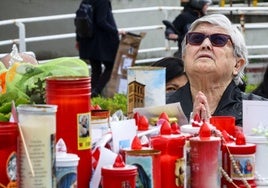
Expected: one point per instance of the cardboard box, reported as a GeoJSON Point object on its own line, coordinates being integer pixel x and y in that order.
{"type": "Point", "coordinates": [126, 56]}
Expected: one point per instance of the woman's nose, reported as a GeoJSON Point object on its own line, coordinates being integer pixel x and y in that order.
{"type": "Point", "coordinates": [206, 44]}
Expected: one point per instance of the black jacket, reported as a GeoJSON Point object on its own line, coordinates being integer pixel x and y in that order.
{"type": "Point", "coordinates": [229, 105]}
{"type": "Point", "coordinates": [183, 21]}
{"type": "Point", "coordinates": [104, 44]}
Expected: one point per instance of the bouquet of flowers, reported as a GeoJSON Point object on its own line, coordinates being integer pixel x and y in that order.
{"type": "Point", "coordinates": [24, 82]}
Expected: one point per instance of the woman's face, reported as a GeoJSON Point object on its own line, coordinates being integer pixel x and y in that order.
{"type": "Point", "coordinates": [176, 83]}
{"type": "Point", "coordinates": [214, 62]}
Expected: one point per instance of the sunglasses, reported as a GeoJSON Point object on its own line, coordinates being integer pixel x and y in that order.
{"type": "Point", "coordinates": [217, 39]}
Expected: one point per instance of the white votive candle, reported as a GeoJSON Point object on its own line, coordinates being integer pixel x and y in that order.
{"type": "Point", "coordinates": [38, 125]}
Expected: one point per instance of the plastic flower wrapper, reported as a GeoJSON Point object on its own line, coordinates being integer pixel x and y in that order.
{"type": "Point", "coordinates": [25, 82]}
{"type": "Point", "coordinates": [15, 57]}
{"type": "Point", "coordinates": [118, 115]}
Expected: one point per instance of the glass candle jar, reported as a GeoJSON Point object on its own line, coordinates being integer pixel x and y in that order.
{"type": "Point", "coordinates": [38, 126]}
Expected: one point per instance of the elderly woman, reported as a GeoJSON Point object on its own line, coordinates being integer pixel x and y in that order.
{"type": "Point", "coordinates": [215, 55]}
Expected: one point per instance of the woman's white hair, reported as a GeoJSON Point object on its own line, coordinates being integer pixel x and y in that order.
{"type": "Point", "coordinates": [240, 49]}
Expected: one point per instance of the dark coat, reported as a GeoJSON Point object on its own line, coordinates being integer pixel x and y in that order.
{"type": "Point", "coordinates": [229, 105]}
{"type": "Point", "coordinates": [104, 44]}
{"type": "Point", "coordinates": [262, 89]}
{"type": "Point", "coordinates": [183, 21]}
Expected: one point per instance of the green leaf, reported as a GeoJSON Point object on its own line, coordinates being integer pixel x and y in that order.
{"type": "Point", "coordinates": [117, 102]}
{"type": "Point", "coordinates": [4, 118]}
{"type": "Point", "coordinates": [5, 108]}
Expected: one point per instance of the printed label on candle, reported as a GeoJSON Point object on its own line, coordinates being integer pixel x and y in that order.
{"type": "Point", "coordinates": [38, 134]}
{"type": "Point", "coordinates": [245, 164]}
{"type": "Point", "coordinates": [144, 165]}
{"type": "Point", "coordinates": [42, 155]}
{"type": "Point", "coordinates": [83, 131]}
{"type": "Point", "coordinates": [67, 176]}
{"type": "Point", "coordinates": [180, 172]}
{"type": "Point", "coordinates": [11, 170]}
{"type": "Point", "coordinates": [186, 153]}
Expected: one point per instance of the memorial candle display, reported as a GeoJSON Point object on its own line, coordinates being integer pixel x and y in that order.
{"type": "Point", "coordinates": [204, 158]}
{"type": "Point", "coordinates": [38, 125]}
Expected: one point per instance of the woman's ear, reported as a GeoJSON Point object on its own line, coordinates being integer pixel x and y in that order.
{"type": "Point", "coordinates": [238, 66]}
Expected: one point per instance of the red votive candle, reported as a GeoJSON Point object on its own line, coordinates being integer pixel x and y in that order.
{"type": "Point", "coordinates": [8, 154]}
{"type": "Point", "coordinates": [72, 96]}
{"type": "Point", "coordinates": [204, 166]}
{"type": "Point", "coordinates": [119, 174]}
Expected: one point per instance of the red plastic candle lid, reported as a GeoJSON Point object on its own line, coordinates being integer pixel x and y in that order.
{"type": "Point", "coordinates": [128, 170]}
{"type": "Point", "coordinates": [205, 132]}
{"type": "Point", "coordinates": [175, 128]}
{"type": "Point", "coordinates": [163, 115]}
{"type": "Point", "coordinates": [165, 128]}
{"type": "Point", "coordinates": [119, 163]}
{"type": "Point", "coordinates": [197, 121]}
{"type": "Point", "coordinates": [241, 149]}
{"type": "Point", "coordinates": [143, 123]}
{"type": "Point", "coordinates": [136, 143]}
{"type": "Point", "coordinates": [119, 168]}
{"type": "Point", "coordinates": [240, 139]}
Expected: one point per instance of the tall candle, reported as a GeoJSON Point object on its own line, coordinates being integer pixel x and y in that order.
{"type": "Point", "coordinates": [171, 159]}
{"type": "Point", "coordinates": [204, 159]}
{"type": "Point", "coordinates": [38, 125]}
{"type": "Point", "coordinates": [72, 96]}
{"type": "Point", "coordinates": [8, 154]}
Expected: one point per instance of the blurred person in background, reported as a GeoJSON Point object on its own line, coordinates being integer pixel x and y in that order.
{"type": "Point", "coordinates": [100, 49]}
{"type": "Point", "coordinates": [193, 10]}
{"type": "Point", "coordinates": [262, 89]}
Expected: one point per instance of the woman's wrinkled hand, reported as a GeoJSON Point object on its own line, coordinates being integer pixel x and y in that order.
{"type": "Point", "coordinates": [201, 107]}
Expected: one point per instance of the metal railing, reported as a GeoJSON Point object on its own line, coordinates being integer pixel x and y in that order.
{"type": "Point", "coordinates": [22, 40]}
